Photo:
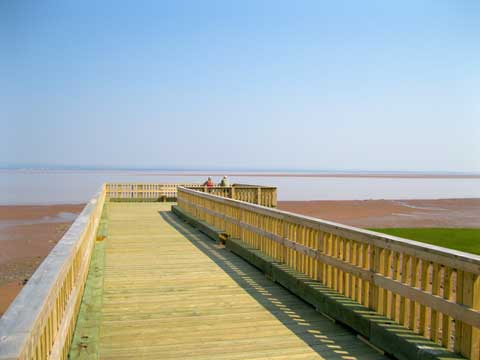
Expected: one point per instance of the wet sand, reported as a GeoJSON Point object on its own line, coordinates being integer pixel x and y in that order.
{"type": "Point", "coordinates": [27, 234]}
{"type": "Point", "coordinates": [392, 213]}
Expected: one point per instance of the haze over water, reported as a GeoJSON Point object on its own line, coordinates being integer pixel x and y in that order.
{"type": "Point", "coordinates": [78, 186]}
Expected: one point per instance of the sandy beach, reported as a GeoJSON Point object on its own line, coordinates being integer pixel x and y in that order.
{"type": "Point", "coordinates": [27, 234]}
{"type": "Point", "coordinates": [392, 213]}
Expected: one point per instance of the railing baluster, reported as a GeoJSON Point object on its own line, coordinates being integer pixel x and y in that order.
{"type": "Point", "coordinates": [404, 278]}
{"type": "Point", "coordinates": [423, 309]}
{"type": "Point", "coordinates": [435, 316]}
{"type": "Point", "coordinates": [447, 294]}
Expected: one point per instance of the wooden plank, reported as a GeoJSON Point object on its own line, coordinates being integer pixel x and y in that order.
{"type": "Point", "coordinates": [446, 320]}
{"type": "Point", "coordinates": [404, 276]}
{"type": "Point", "coordinates": [435, 316]}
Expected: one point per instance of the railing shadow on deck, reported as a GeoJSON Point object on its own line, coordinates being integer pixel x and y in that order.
{"type": "Point", "coordinates": [314, 332]}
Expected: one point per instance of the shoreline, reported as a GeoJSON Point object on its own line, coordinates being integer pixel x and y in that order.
{"type": "Point", "coordinates": [27, 235]}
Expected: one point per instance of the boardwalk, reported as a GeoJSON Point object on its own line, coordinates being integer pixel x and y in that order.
{"type": "Point", "coordinates": [159, 289]}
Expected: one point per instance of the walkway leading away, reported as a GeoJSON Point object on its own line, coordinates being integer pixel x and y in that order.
{"type": "Point", "coordinates": [159, 289]}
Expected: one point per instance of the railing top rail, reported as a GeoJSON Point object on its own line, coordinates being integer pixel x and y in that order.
{"type": "Point", "coordinates": [188, 184]}
{"type": "Point", "coordinates": [214, 187]}
{"type": "Point", "coordinates": [254, 186]}
{"type": "Point", "coordinates": [153, 183]}
{"type": "Point", "coordinates": [18, 322]}
{"type": "Point", "coordinates": [454, 258]}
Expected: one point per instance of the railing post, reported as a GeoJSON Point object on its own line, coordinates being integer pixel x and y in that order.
{"type": "Point", "coordinates": [285, 237]}
{"type": "Point", "coordinates": [320, 251]}
{"type": "Point", "coordinates": [232, 192]}
{"type": "Point", "coordinates": [259, 194]}
{"type": "Point", "coordinates": [475, 344]}
{"type": "Point", "coordinates": [374, 268]}
{"type": "Point", "coordinates": [467, 337]}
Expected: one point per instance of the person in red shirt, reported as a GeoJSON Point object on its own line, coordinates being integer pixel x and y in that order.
{"type": "Point", "coordinates": [209, 183]}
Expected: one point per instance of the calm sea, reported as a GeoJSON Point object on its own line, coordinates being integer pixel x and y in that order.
{"type": "Point", "coordinates": [56, 187]}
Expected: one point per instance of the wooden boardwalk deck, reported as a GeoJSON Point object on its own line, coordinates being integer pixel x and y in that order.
{"type": "Point", "coordinates": [159, 289]}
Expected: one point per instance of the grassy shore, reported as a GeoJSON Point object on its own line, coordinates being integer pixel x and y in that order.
{"type": "Point", "coordinates": [462, 239]}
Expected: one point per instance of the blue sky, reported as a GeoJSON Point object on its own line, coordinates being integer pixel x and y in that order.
{"type": "Point", "coordinates": [371, 85]}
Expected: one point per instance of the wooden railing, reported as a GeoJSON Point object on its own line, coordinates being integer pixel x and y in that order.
{"type": "Point", "coordinates": [256, 194]}
{"type": "Point", "coordinates": [431, 290]}
{"type": "Point", "coordinates": [143, 191]}
{"type": "Point", "coordinates": [39, 324]}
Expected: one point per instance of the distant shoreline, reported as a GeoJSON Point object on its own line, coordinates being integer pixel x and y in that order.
{"type": "Point", "coordinates": [47, 187]}
{"type": "Point", "coordinates": [204, 173]}
{"type": "Point", "coordinates": [333, 175]}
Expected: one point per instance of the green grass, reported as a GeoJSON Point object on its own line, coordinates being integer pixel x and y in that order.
{"type": "Point", "coordinates": [467, 240]}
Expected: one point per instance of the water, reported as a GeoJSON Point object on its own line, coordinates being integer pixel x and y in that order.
{"type": "Point", "coordinates": [63, 187]}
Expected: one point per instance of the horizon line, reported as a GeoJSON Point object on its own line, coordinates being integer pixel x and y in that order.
{"type": "Point", "coordinates": [225, 169]}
